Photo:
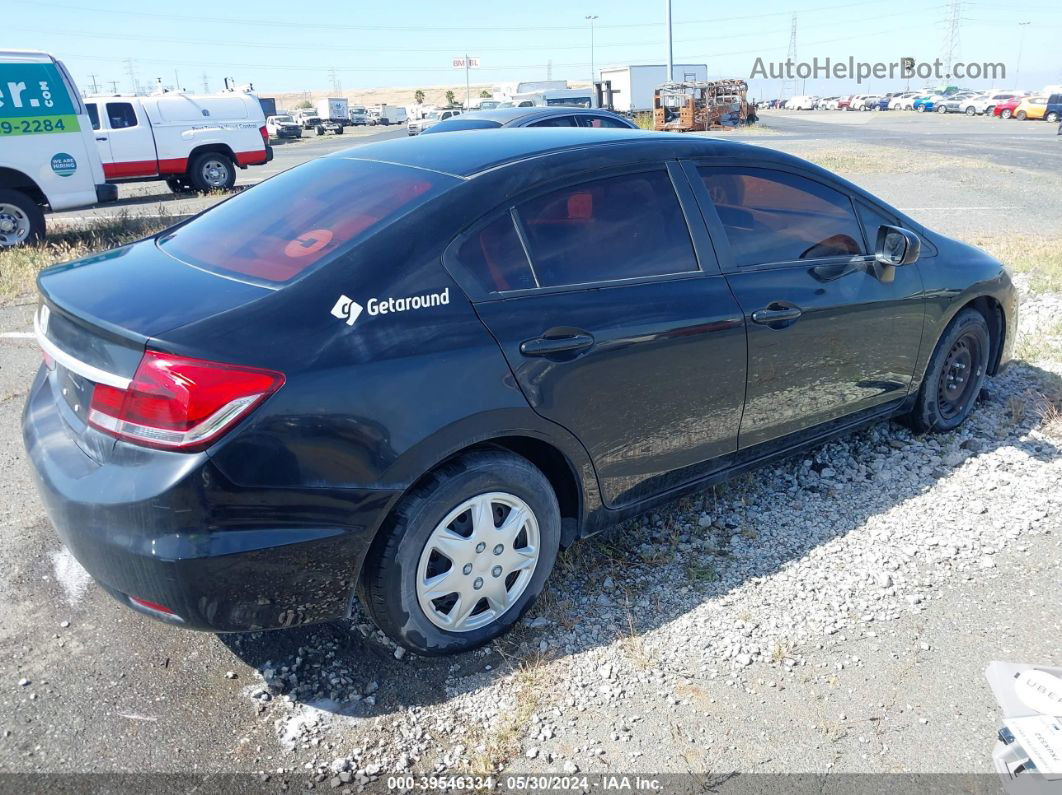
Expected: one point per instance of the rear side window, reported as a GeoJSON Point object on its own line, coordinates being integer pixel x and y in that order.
{"type": "Point", "coordinates": [773, 216]}
{"type": "Point", "coordinates": [121, 115]}
{"type": "Point", "coordinates": [556, 121]}
{"type": "Point", "coordinates": [601, 121]}
{"type": "Point", "coordinates": [290, 224]}
{"type": "Point", "coordinates": [495, 257]}
{"type": "Point", "coordinates": [622, 227]}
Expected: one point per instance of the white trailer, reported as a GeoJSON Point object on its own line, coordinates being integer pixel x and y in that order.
{"type": "Point", "coordinates": [633, 85]}
{"type": "Point", "coordinates": [334, 109]}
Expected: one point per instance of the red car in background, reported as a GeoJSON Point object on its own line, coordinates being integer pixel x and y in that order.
{"type": "Point", "coordinates": [844, 103]}
{"type": "Point", "coordinates": [1006, 109]}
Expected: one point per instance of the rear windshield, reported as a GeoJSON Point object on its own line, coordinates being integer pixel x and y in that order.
{"type": "Point", "coordinates": [290, 224]}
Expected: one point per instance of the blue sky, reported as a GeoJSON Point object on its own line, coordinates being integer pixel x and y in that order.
{"type": "Point", "coordinates": [290, 46]}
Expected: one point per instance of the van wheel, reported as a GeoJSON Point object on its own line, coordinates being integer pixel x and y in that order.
{"type": "Point", "coordinates": [1051, 117]}
{"type": "Point", "coordinates": [212, 171]}
{"type": "Point", "coordinates": [21, 219]}
{"type": "Point", "coordinates": [466, 554]}
{"type": "Point", "coordinates": [954, 376]}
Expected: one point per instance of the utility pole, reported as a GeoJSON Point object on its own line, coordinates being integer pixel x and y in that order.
{"type": "Point", "coordinates": [176, 81]}
{"type": "Point", "coordinates": [789, 85]}
{"type": "Point", "coordinates": [130, 69]}
{"type": "Point", "coordinates": [549, 69]}
{"type": "Point", "coordinates": [468, 68]}
{"type": "Point", "coordinates": [667, 32]}
{"type": "Point", "coordinates": [206, 84]}
{"type": "Point", "coordinates": [95, 90]}
{"type": "Point", "coordinates": [114, 86]}
{"type": "Point", "coordinates": [1021, 43]}
{"type": "Point", "coordinates": [951, 35]}
{"type": "Point", "coordinates": [593, 74]}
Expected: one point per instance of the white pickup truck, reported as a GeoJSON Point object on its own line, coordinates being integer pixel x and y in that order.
{"type": "Point", "coordinates": [48, 160]}
{"type": "Point", "coordinates": [192, 142]}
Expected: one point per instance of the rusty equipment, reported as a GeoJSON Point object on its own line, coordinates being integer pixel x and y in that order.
{"type": "Point", "coordinates": [701, 105]}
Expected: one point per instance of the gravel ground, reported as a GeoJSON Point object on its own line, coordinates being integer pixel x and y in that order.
{"type": "Point", "coordinates": [833, 612]}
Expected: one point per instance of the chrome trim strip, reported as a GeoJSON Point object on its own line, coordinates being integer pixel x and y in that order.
{"type": "Point", "coordinates": [76, 365]}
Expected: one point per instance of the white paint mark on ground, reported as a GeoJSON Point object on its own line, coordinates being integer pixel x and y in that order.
{"type": "Point", "coordinates": [18, 335]}
{"type": "Point", "coordinates": [136, 716]}
{"type": "Point", "coordinates": [71, 575]}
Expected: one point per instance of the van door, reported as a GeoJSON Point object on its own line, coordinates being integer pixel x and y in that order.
{"type": "Point", "coordinates": [127, 143]}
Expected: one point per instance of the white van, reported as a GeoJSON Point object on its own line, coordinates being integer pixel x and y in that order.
{"type": "Point", "coordinates": [48, 159]}
{"type": "Point", "coordinates": [388, 114]}
{"type": "Point", "coordinates": [191, 141]}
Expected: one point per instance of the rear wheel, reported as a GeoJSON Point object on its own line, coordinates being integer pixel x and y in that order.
{"type": "Point", "coordinates": [212, 171]}
{"type": "Point", "coordinates": [21, 219]}
{"type": "Point", "coordinates": [955, 374]}
{"type": "Point", "coordinates": [942, 109]}
{"type": "Point", "coordinates": [1022, 115]}
{"type": "Point", "coordinates": [1006, 113]}
{"type": "Point", "coordinates": [921, 108]}
{"type": "Point", "coordinates": [971, 110]}
{"type": "Point", "coordinates": [1051, 117]}
{"type": "Point", "coordinates": [466, 555]}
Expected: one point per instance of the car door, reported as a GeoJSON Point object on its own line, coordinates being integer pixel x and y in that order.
{"type": "Point", "coordinates": [610, 309]}
{"type": "Point", "coordinates": [831, 333]}
{"type": "Point", "coordinates": [131, 144]}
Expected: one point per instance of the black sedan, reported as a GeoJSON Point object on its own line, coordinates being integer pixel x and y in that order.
{"type": "Point", "coordinates": [414, 370]}
{"type": "Point", "coordinates": [555, 116]}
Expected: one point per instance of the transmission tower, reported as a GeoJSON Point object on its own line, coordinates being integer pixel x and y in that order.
{"type": "Point", "coordinates": [130, 69]}
{"type": "Point", "coordinates": [951, 34]}
{"type": "Point", "coordinates": [789, 85]}
{"type": "Point", "coordinates": [549, 69]}
{"type": "Point", "coordinates": [206, 84]}
{"type": "Point", "coordinates": [336, 85]}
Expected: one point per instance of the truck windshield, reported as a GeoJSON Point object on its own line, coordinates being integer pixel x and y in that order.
{"type": "Point", "coordinates": [298, 220]}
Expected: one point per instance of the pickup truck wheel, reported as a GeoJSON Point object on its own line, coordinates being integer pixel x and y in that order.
{"type": "Point", "coordinates": [179, 184]}
{"type": "Point", "coordinates": [21, 219]}
{"type": "Point", "coordinates": [212, 171]}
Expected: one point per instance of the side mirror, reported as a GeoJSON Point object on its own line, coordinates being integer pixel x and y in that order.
{"type": "Point", "coordinates": [896, 246]}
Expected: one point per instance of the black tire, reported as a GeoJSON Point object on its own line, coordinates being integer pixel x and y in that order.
{"type": "Point", "coordinates": [942, 109]}
{"type": "Point", "coordinates": [971, 110]}
{"type": "Point", "coordinates": [179, 184]}
{"type": "Point", "coordinates": [1051, 117]}
{"type": "Point", "coordinates": [212, 171]}
{"type": "Point", "coordinates": [962, 353]}
{"type": "Point", "coordinates": [320, 130]}
{"type": "Point", "coordinates": [1021, 115]}
{"type": "Point", "coordinates": [24, 214]}
{"type": "Point", "coordinates": [388, 587]}
{"type": "Point", "coordinates": [339, 131]}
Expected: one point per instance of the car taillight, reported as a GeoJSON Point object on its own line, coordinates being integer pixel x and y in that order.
{"type": "Point", "coordinates": [265, 135]}
{"type": "Point", "coordinates": [176, 403]}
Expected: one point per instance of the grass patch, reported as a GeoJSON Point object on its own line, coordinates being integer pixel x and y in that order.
{"type": "Point", "coordinates": [19, 266]}
{"type": "Point", "coordinates": [1040, 258]}
{"type": "Point", "coordinates": [498, 746]}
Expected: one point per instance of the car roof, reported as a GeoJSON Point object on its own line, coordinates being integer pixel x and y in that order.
{"type": "Point", "coordinates": [506, 115]}
{"type": "Point", "coordinates": [467, 153]}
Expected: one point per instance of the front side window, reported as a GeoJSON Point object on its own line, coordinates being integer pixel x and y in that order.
{"type": "Point", "coordinates": [287, 225]}
{"type": "Point", "coordinates": [622, 227]}
{"type": "Point", "coordinates": [601, 121]}
{"type": "Point", "coordinates": [773, 216]}
{"type": "Point", "coordinates": [121, 115]}
{"type": "Point", "coordinates": [94, 114]}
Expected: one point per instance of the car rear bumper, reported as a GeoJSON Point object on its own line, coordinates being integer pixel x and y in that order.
{"type": "Point", "coordinates": [169, 530]}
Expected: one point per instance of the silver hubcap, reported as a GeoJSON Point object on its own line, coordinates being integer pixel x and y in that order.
{"type": "Point", "coordinates": [215, 173]}
{"type": "Point", "coordinates": [477, 562]}
{"type": "Point", "coordinates": [14, 225]}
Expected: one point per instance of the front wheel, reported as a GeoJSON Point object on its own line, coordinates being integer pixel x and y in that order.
{"type": "Point", "coordinates": [1052, 117]}
{"type": "Point", "coordinates": [21, 219]}
{"type": "Point", "coordinates": [921, 108]}
{"type": "Point", "coordinates": [212, 171]}
{"type": "Point", "coordinates": [465, 555]}
{"type": "Point", "coordinates": [1022, 115]}
{"type": "Point", "coordinates": [954, 376]}
{"type": "Point", "coordinates": [971, 111]}
{"type": "Point", "coordinates": [942, 109]}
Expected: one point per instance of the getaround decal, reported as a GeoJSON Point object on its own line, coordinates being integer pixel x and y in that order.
{"type": "Point", "coordinates": [63, 164]}
{"type": "Point", "coordinates": [347, 309]}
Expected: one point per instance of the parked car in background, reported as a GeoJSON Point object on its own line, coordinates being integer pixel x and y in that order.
{"type": "Point", "coordinates": [193, 142]}
{"type": "Point", "coordinates": [801, 102]}
{"type": "Point", "coordinates": [283, 127]}
{"type": "Point", "coordinates": [956, 103]}
{"type": "Point", "coordinates": [826, 103]}
{"type": "Point", "coordinates": [1053, 109]}
{"type": "Point", "coordinates": [843, 103]}
{"type": "Point", "coordinates": [229, 430]}
{"type": "Point", "coordinates": [532, 117]}
{"type": "Point", "coordinates": [48, 158]}
{"type": "Point", "coordinates": [321, 126]}
{"type": "Point", "coordinates": [985, 103]}
{"type": "Point", "coordinates": [417, 126]}
{"type": "Point", "coordinates": [1006, 108]}
{"type": "Point", "coordinates": [1031, 108]}
{"type": "Point", "coordinates": [923, 103]}
{"type": "Point", "coordinates": [387, 115]}
{"type": "Point", "coordinates": [904, 101]}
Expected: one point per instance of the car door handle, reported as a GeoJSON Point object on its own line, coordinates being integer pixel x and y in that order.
{"type": "Point", "coordinates": [776, 313]}
{"type": "Point", "coordinates": [101, 137]}
{"type": "Point", "coordinates": [544, 346]}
